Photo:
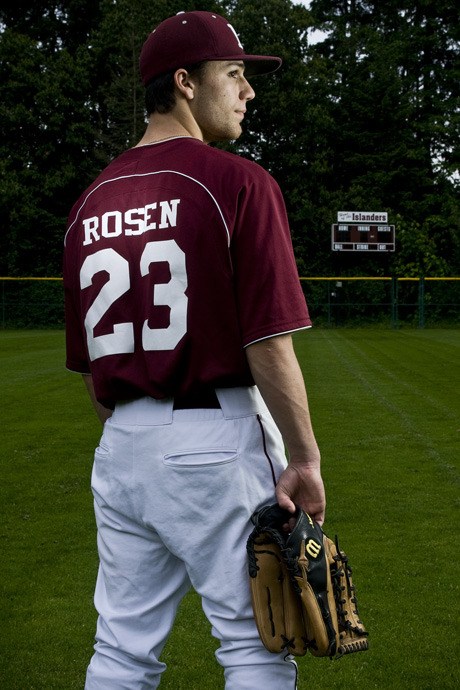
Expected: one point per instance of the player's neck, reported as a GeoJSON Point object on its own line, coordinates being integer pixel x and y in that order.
{"type": "Point", "coordinates": [162, 127]}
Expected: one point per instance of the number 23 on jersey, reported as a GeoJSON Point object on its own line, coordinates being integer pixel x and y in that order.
{"type": "Point", "coordinates": [171, 294]}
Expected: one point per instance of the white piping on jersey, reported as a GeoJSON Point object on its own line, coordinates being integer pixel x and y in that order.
{"type": "Point", "coordinates": [273, 335]}
{"type": "Point", "coordinates": [162, 141]}
{"type": "Point", "coordinates": [158, 172]}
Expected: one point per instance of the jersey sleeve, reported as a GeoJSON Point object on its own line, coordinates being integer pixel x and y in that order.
{"type": "Point", "coordinates": [76, 352]}
{"type": "Point", "coordinates": [268, 291]}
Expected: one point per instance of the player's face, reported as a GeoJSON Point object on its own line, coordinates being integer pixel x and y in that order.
{"type": "Point", "coordinates": [219, 101]}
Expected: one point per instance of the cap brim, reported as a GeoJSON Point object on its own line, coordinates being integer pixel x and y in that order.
{"type": "Point", "coordinates": [254, 64]}
{"type": "Point", "coordinates": [260, 64]}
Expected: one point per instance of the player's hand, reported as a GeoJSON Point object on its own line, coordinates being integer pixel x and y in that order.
{"type": "Point", "coordinates": [301, 484]}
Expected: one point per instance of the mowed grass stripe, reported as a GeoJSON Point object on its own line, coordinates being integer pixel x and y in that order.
{"type": "Point", "coordinates": [46, 523]}
{"type": "Point", "coordinates": [384, 406]}
{"type": "Point", "coordinates": [390, 462]}
{"type": "Point", "coordinates": [396, 377]}
{"type": "Point", "coordinates": [384, 417]}
{"type": "Point", "coordinates": [401, 358]}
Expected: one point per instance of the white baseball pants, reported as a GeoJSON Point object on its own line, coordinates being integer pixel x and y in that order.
{"type": "Point", "coordinates": [174, 491]}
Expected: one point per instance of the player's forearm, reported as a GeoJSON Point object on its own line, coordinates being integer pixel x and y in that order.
{"type": "Point", "coordinates": [277, 373]}
{"type": "Point", "coordinates": [102, 412]}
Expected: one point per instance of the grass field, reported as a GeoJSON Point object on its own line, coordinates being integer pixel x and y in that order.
{"type": "Point", "coordinates": [385, 406]}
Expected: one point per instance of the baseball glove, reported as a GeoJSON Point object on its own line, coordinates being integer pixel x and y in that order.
{"type": "Point", "coordinates": [301, 587]}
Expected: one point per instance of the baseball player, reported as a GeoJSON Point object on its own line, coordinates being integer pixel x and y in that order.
{"type": "Point", "coordinates": [181, 297]}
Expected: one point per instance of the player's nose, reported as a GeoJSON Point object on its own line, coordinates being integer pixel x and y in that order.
{"type": "Point", "coordinates": [247, 92]}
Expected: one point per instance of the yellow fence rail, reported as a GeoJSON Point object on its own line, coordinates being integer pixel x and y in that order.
{"type": "Point", "coordinates": [37, 301]}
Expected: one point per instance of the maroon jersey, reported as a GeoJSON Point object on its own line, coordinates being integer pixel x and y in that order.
{"type": "Point", "coordinates": [176, 258]}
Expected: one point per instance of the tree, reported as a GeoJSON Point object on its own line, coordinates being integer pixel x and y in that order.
{"type": "Point", "coordinates": [393, 100]}
{"type": "Point", "coordinates": [116, 43]}
{"type": "Point", "coordinates": [45, 132]}
{"type": "Point", "coordinates": [288, 125]}
{"type": "Point", "coordinates": [367, 118]}
{"type": "Point", "coordinates": [417, 255]}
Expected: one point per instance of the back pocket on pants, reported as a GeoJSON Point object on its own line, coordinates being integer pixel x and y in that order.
{"type": "Point", "coordinates": [201, 458]}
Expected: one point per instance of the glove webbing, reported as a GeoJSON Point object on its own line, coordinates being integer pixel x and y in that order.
{"type": "Point", "coordinates": [340, 569]}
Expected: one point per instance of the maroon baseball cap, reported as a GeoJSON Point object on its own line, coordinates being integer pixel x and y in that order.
{"type": "Point", "coordinates": [191, 37]}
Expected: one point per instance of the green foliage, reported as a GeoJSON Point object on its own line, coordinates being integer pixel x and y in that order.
{"type": "Point", "coordinates": [394, 81]}
{"type": "Point", "coordinates": [385, 409]}
{"type": "Point", "coordinates": [366, 119]}
{"type": "Point", "coordinates": [44, 151]}
{"type": "Point", "coordinates": [32, 304]}
{"type": "Point", "coordinates": [417, 251]}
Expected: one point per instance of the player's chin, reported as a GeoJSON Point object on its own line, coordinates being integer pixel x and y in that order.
{"type": "Point", "coordinates": [233, 130]}
{"type": "Point", "coordinates": [237, 132]}
{"type": "Point", "coordinates": [229, 134]}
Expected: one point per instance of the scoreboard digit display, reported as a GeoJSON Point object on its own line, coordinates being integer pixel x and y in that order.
{"type": "Point", "coordinates": [359, 235]}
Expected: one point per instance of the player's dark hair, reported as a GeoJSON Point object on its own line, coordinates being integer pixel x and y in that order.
{"type": "Point", "coordinates": [159, 93]}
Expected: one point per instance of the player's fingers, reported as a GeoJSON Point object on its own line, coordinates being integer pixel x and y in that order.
{"type": "Point", "coordinates": [284, 501]}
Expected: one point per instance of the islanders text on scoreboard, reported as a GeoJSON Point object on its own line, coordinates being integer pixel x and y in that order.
{"type": "Point", "coordinates": [363, 231]}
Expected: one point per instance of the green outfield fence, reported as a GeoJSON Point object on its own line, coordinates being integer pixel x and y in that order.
{"type": "Point", "coordinates": [333, 301]}
{"type": "Point", "coordinates": [395, 301]}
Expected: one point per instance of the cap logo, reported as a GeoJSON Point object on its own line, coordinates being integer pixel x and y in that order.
{"type": "Point", "coordinates": [236, 35]}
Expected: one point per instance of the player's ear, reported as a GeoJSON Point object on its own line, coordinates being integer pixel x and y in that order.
{"type": "Point", "coordinates": [184, 84]}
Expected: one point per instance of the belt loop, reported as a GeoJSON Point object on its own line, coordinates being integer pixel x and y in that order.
{"type": "Point", "coordinates": [144, 412]}
{"type": "Point", "coordinates": [240, 402]}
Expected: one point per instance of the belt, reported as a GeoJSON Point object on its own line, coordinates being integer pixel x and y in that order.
{"type": "Point", "coordinates": [206, 399]}
{"type": "Point", "coordinates": [234, 403]}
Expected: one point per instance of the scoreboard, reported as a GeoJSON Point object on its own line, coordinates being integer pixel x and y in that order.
{"type": "Point", "coordinates": [363, 237]}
